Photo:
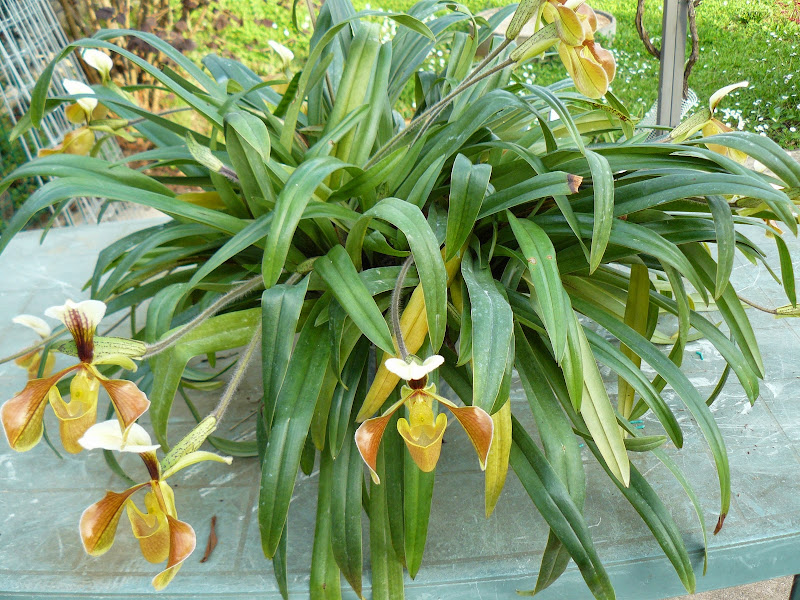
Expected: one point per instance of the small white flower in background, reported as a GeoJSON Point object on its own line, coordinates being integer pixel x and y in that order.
{"type": "Point", "coordinates": [287, 56]}
{"type": "Point", "coordinates": [108, 435]}
{"type": "Point", "coordinates": [414, 369]}
{"type": "Point", "coordinates": [98, 60]}
{"type": "Point", "coordinates": [75, 88]}
{"type": "Point", "coordinates": [35, 323]}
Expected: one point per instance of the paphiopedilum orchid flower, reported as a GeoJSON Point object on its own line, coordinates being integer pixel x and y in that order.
{"type": "Point", "coordinates": [33, 360]}
{"type": "Point", "coordinates": [423, 430]}
{"type": "Point", "coordinates": [162, 537]}
{"type": "Point", "coordinates": [591, 66]}
{"type": "Point", "coordinates": [568, 24]}
{"type": "Point", "coordinates": [88, 101]}
{"type": "Point", "coordinates": [78, 141]}
{"type": "Point", "coordinates": [100, 61]}
{"type": "Point", "coordinates": [22, 416]}
{"type": "Point", "coordinates": [287, 56]}
{"type": "Point", "coordinates": [705, 120]}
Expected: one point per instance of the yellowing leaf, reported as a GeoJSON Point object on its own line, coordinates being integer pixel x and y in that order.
{"type": "Point", "coordinates": [497, 462]}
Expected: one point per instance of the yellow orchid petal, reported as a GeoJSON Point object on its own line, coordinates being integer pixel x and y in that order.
{"type": "Point", "coordinates": [182, 541]}
{"type": "Point", "coordinates": [151, 528]}
{"type": "Point", "coordinates": [588, 19]}
{"type": "Point", "coordinates": [79, 142]}
{"type": "Point", "coordinates": [569, 26]}
{"type": "Point", "coordinates": [168, 497]}
{"type": "Point", "coordinates": [80, 413]}
{"type": "Point", "coordinates": [75, 114]}
{"type": "Point", "coordinates": [31, 362]}
{"type": "Point", "coordinates": [478, 425]}
{"type": "Point", "coordinates": [194, 458]}
{"type": "Point", "coordinates": [713, 127]}
{"type": "Point", "coordinates": [717, 96]}
{"type": "Point", "coordinates": [424, 442]}
{"type": "Point", "coordinates": [22, 415]}
{"type": "Point", "coordinates": [369, 436]}
{"type": "Point", "coordinates": [603, 57]}
{"type": "Point", "coordinates": [99, 522]}
{"type": "Point", "coordinates": [589, 77]}
{"type": "Point", "coordinates": [129, 401]}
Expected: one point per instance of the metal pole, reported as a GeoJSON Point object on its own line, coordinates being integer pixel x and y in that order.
{"type": "Point", "coordinates": [673, 59]}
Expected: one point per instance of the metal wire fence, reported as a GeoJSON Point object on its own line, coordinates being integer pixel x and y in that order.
{"type": "Point", "coordinates": [30, 37]}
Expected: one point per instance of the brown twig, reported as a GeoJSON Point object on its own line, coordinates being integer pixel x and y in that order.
{"type": "Point", "coordinates": [639, 21]}
{"type": "Point", "coordinates": [687, 70]}
{"type": "Point", "coordinates": [212, 540]}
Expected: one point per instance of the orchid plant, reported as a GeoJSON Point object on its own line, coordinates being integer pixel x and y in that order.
{"type": "Point", "coordinates": [370, 255]}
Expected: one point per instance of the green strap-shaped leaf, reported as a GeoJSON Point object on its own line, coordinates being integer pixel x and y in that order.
{"type": "Point", "coordinates": [728, 305]}
{"type": "Point", "coordinates": [338, 271]}
{"type": "Point", "coordinates": [468, 185]}
{"type": "Point", "coordinates": [560, 448]}
{"type": "Point", "coordinates": [223, 332]}
{"type": "Point", "coordinates": [247, 143]}
{"type": "Point", "coordinates": [682, 386]}
{"type": "Point", "coordinates": [761, 148]}
{"type": "Point", "coordinates": [787, 270]}
{"type": "Point", "coordinates": [554, 503]}
{"type": "Point", "coordinates": [637, 307]}
{"type": "Point", "coordinates": [603, 188]}
{"type": "Point", "coordinates": [659, 520]}
{"type": "Point", "coordinates": [427, 258]}
{"type": "Point", "coordinates": [387, 570]}
{"type": "Point", "coordinates": [557, 183]}
{"type": "Point", "coordinates": [293, 412]}
{"type": "Point", "coordinates": [417, 497]}
{"type": "Point", "coordinates": [394, 451]}
{"type": "Point", "coordinates": [346, 394]}
{"type": "Point", "coordinates": [289, 208]}
{"type": "Point", "coordinates": [280, 312]}
{"type": "Point", "coordinates": [540, 256]}
{"type": "Point", "coordinates": [726, 241]}
{"type": "Point", "coordinates": [324, 576]}
{"type": "Point", "coordinates": [492, 331]}
{"type": "Point", "coordinates": [348, 479]}
{"type": "Point", "coordinates": [601, 421]}
{"type": "Point", "coordinates": [612, 357]}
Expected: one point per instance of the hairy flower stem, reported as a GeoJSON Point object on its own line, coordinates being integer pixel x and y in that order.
{"type": "Point", "coordinates": [238, 374]}
{"type": "Point", "coordinates": [770, 311]}
{"type": "Point", "coordinates": [395, 307]}
{"type": "Point", "coordinates": [236, 293]}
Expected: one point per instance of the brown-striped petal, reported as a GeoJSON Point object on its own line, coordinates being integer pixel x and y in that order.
{"type": "Point", "coordinates": [150, 528]}
{"type": "Point", "coordinates": [22, 415]}
{"type": "Point", "coordinates": [424, 442]}
{"type": "Point", "coordinates": [182, 541]}
{"type": "Point", "coordinates": [99, 521]}
{"type": "Point", "coordinates": [368, 438]}
{"type": "Point", "coordinates": [129, 401]}
{"type": "Point", "coordinates": [478, 425]}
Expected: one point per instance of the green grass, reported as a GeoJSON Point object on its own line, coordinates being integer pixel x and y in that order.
{"type": "Point", "coordinates": [751, 40]}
